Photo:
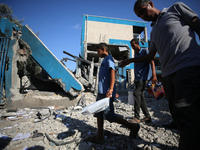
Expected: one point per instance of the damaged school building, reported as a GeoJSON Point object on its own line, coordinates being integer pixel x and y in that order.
{"type": "Point", "coordinates": [27, 63]}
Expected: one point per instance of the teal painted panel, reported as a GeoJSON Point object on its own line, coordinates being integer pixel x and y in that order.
{"type": "Point", "coordinates": [8, 73]}
{"type": "Point", "coordinates": [7, 27]}
{"type": "Point", "coordinates": [48, 61]}
{"type": "Point", "coordinates": [83, 35]}
{"type": "Point", "coordinates": [117, 21]}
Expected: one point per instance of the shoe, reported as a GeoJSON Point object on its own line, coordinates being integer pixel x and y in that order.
{"type": "Point", "coordinates": [134, 131]}
{"type": "Point", "coordinates": [134, 120]}
{"type": "Point", "coordinates": [146, 120]}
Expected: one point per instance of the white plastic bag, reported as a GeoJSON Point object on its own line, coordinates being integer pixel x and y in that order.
{"type": "Point", "coordinates": [96, 107]}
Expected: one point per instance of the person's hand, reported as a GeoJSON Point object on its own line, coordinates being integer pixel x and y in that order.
{"type": "Point", "coordinates": [154, 79]}
{"type": "Point", "coordinates": [124, 62]}
{"type": "Point", "coordinates": [109, 93]}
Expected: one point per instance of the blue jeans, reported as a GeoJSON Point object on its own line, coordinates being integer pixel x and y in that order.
{"type": "Point", "coordinates": [182, 90]}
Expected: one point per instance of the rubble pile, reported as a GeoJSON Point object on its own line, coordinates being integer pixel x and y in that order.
{"type": "Point", "coordinates": [60, 128]}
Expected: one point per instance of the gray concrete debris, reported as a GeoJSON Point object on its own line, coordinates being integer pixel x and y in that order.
{"type": "Point", "coordinates": [61, 128]}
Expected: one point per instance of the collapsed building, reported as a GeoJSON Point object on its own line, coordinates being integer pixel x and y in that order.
{"type": "Point", "coordinates": [26, 63]}
{"type": "Point", "coordinates": [117, 33]}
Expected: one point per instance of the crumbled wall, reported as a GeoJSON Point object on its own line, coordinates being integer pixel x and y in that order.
{"type": "Point", "coordinates": [15, 78]}
{"type": "Point", "coordinates": [23, 66]}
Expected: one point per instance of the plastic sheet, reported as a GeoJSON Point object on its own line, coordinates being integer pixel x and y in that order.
{"type": "Point", "coordinates": [96, 107]}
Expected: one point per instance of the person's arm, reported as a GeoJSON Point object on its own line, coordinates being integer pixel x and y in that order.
{"type": "Point", "coordinates": [112, 83]}
{"type": "Point", "coordinates": [195, 25]}
{"type": "Point", "coordinates": [147, 58]}
{"type": "Point", "coordinates": [154, 78]}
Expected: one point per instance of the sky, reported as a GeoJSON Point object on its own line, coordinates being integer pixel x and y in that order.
{"type": "Point", "coordinates": [59, 21]}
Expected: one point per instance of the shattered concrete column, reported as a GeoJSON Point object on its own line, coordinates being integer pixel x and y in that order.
{"type": "Point", "coordinates": [91, 71]}
{"type": "Point", "coordinates": [15, 78]}
{"type": "Point", "coordinates": [78, 70]}
{"type": "Point", "coordinates": [21, 51]}
{"type": "Point", "coordinates": [96, 82]}
{"type": "Point", "coordinates": [97, 77]}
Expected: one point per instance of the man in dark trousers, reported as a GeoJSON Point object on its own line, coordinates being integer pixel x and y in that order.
{"type": "Point", "coordinates": [173, 37]}
{"type": "Point", "coordinates": [143, 72]}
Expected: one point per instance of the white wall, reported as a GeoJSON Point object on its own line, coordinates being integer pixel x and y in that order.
{"type": "Point", "coordinates": [102, 32]}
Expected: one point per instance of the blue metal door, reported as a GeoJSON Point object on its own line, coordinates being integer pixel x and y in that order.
{"type": "Point", "coordinates": [4, 41]}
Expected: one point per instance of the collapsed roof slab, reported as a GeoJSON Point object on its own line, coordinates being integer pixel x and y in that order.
{"type": "Point", "coordinates": [46, 59]}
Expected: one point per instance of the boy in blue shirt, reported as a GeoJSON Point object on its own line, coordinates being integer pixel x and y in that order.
{"type": "Point", "coordinates": [106, 88]}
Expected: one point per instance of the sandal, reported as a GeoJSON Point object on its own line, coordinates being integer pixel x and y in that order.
{"type": "Point", "coordinates": [146, 120]}
{"type": "Point", "coordinates": [134, 120]}
{"type": "Point", "coordinates": [96, 140]}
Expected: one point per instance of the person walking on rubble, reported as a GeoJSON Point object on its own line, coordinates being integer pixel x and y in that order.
{"type": "Point", "coordinates": [107, 88]}
{"type": "Point", "coordinates": [143, 72]}
{"type": "Point", "coordinates": [173, 37]}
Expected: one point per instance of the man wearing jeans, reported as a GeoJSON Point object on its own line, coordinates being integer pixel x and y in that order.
{"type": "Point", "coordinates": [143, 72]}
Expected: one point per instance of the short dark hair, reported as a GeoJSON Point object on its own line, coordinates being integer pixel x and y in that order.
{"type": "Point", "coordinates": [135, 40]}
{"type": "Point", "coordinates": [142, 2]}
{"type": "Point", "coordinates": [102, 45]}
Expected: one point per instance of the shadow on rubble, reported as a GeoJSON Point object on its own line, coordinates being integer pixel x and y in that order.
{"type": "Point", "coordinates": [85, 131]}
{"type": "Point", "coordinates": [159, 108]}
{"type": "Point", "coordinates": [4, 141]}
{"type": "Point", "coordinates": [145, 145]}
{"type": "Point", "coordinates": [35, 148]}
{"type": "Point", "coordinates": [161, 112]}
{"type": "Point", "coordinates": [112, 140]}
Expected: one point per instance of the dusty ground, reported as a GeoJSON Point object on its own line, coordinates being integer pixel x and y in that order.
{"type": "Point", "coordinates": [62, 126]}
